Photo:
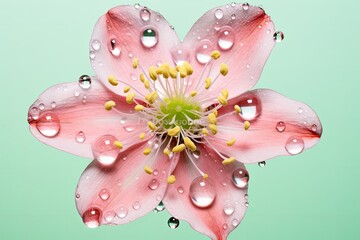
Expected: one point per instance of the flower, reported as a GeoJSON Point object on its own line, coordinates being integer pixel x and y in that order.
{"type": "Point", "coordinates": [173, 121]}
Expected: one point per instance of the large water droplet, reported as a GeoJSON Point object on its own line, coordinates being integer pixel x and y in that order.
{"type": "Point", "coordinates": [91, 217]}
{"type": "Point", "coordinates": [104, 194]}
{"type": "Point", "coordinates": [154, 184]}
{"type": "Point", "coordinates": [280, 126]}
{"type": "Point", "coordinates": [229, 208]}
{"type": "Point", "coordinates": [202, 192]}
{"type": "Point", "coordinates": [149, 38]}
{"type": "Point", "coordinates": [219, 14]}
{"type": "Point", "coordinates": [226, 38]}
{"type": "Point", "coordinates": [173, 222]}
{"type": "Point", "coordinates": [80, 137]}
{"type": "Point", "coordinates": [48, 124]}
{"type": "Point", "coordinates": [159, 208]}
{"type": "Point", "coordinates": [179, 56]}
{"type": "Point", "coordinates": [250, 106]}
{"type": "Point", "coordinates": [122, 212]}
{"type": "Point", "coordinates": [240, 178]}
{"type": "Point", "coordinates": [95, 44]}
{"type": "Point", "coordinates": [109, 216]}
{"type": "Point", "coordinates": [279, 36]}
{"type": "Point", "coordinates": [85, 82]}
{"type": "Point", "coordinates": [104, 149]}
{"type": "Point", "coordinates": [294, 145]}
{"type": "Point", "coordinates": [204, 51]}
{"type": "Point", "coordinates": [145, 14]}
{"type": "Point", "coordinates": [114, 47]}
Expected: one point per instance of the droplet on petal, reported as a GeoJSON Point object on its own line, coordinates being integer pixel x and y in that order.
{"type": "Point", "coordinates": [294, 145]}
{"type": "Point", "coordinates": [85, 82]}
{"type": "Point", "coordinates": [219, 14]}
{"type": "Point", "coordinates": [203, 52]}
{"type": "Point", "coordinates": [179, 56]}
{"type": "Point", "coordinates": [280, 126]}
{"type": "Point", "coordinates": [91, 217]}
{"type": "Point", "coordinates": [104, 194]}
{"type": "Point", "coordinates": [122, 212]}
{"type": "Point", "coordinates": [245, 6]}
{"type": "Point", "coordinates": [154, 184]}
{"type": "Point", "coordinates": [41, 106]}
{"type": "Point", "coordinates": [300, 110]}
{"type": "Point", "coordinates": [229, 208]}
{"type": "Point", "coordinates": [159, 208]}
{"type": "Point", "coordinates": [34, 113]}
{"type": "Point", "coordinates": [314, 128]}
{"type": "Point", "coordinates": [95, 44]}
{"type": "Point", "coordinates": [114, 47]}
{"type": "Point", "coordinates": [109, 216]}
{"type": "Point", "coordinates": [136, 205]}
{"type": "Point", "coordinates": [80, 137]}
{"type": "Point", "coordinates": [226, 38]}
{"type": "Point", "coordinates": [173, 222]}
{"type": "Point", "coordinates": [104, 150]}
{"type": "Point", "coordinates": [202, 192]}
{"type": "Point", "coordinates": [48, 124]}
{"type": "Point", "coordinates": [235, 222]}
{"type": "Point", "coordinates": [145, 14]}
{"type": "Point", "coordinates": [225, 226]}
{"type": "Point", "coordinates": [250, 106]}
{"type": "Point", "coordinates": [240, 178]}
{"type": "Point", "coordinates": [137, 5]}
{"type": "Point", "coordinates": [279, 36]}
{"type": "Point", "coordinates": [180, 190]}
{"type": "Point", "coordinates": [149, 38]}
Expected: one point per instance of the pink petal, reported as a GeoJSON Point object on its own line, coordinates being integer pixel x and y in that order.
{"type": "Point", "coordinates": [244, 36]}
{"type": "Point", "coordinates": [124, 192]}
{"type": "Point", "coordinates": [229, 206]}
{"type": "Point", "coordinates": [73, 119]}
{"type": "Point", "coordinates": [279, 126]}
{"type": "Point", "coordinates": [117, 40]}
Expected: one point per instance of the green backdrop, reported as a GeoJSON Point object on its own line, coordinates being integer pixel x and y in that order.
{"type": "Point", "coordinates": [311, 196]}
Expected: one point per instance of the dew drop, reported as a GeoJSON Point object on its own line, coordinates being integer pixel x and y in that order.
{"type": "Point", "coordinates": [129, 128]}
{"type": "Point", "coordinates": [173, 222]}
{"type": "Point", "coordinates": [240, 178]}
{"type": "Point", "coordinates": [92, 55]}
{"type": "Point", "coordinates": [34, 113]}
{"type": "Point", "coordinates": [137, 5]}
{"type": "Point", "coordinates": [104, 150]}
{"type": "Point", "coordinates": [91, 217]}
{"type": "Point", "coordinates": [245, 6]}
{"type": "Point", "coordinates": [262, 164]}
{"type": "Point", "coordinates": [41, 106]}
{"type": "Point", "coordinates": [235, 222]}
{"type": "Point", "coordinates": [280, 126]}
{"type": "Point", "coordinates": [300, 110]}
{"type": "Point", "coordinates": [279, 36]}
{"type": "Point", "coordinates": [136, 205]}
{"type": "Point", "coordinates": [204, 51]}
{"type": "Point", "coordinates": [48, 124]}
{"type": "Point", "coordinates": [96, 45]}
{"type": "Point", "coordinates": [122, 212]}
{"type": "Point", "coordinates": [104, 194]}
{"type": "Point", "coordinates": [294, 145]}
{"type": "Point", "coordinates": [180, 190]}
{"type": "Point", "coordinates": [145, 14]}
{"type": "Point", "coordinates": [114, 48]}
{"type": "Point", "coordinates": [229, 209]}
{"type": "Point", "coordinates": [149, 38]}
{"type": "Point", "coordinates": [85, 82]}
{"type": "Point", "coordinates": [155, 172]}
{"type": "Point", "coordinates": [196, 154]}
{"type": "Point", "coordinates": [133, 76]}
{"type": "Point", "coordinates": [80, 137]}
{"type": "Point", "coordinates": [179, 56]}
{"type": "Point", "coordinates": [314, 128]}
{"type": "Point", "coordinates": [224, 226]}
{"type": "Point", "coordinates": [226, 38]}
{"type": "Point", "coordinates": [219, 14]}
{"type": "Point", "coordinates": [109, 216]}
{"type": "Point", "coordinates": [246, 204]}
{"type": "Point", "coordinates": [233, 4]}
{"type": "Point", "coordinates": [250, 106]}
{"type": "Point", "coordinates": [154, 184]}
{"type": "Point", "coordinates": [202, 192]}
{"type": "Point", "coordinates": [77, 196]}
{"type": "Point", "coordinates": [159, 208]}
{"type": "Point", "coordinates": [233, 16]}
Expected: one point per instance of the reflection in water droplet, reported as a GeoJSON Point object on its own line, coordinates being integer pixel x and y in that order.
{"type": "Point", "coordinates": [250, 106]}
{"type": "Point", "coordinates": [279, 36]}
{"type": "Point", "coordinates": [262, 164]}
{"type": "Point", "coordinates": [204, 51]}
{"type": "Point", "coordinates": [114, 48]}
{"type": "Point", "coordinates": [85, 82]}
{"type": "Point", "coordinates": [202, 192]}
{"type": "Point", "coordinates": [136, 205]}
{"type": "Point", "coordinates": [104, 150]}
{"type": "Point", "coordinates": [219, 14]}
{"type": "Point", "coordinates": [173, 222]}
{"type": "Point", "coordinates": [104, 194]}
{"type": "Point", "coordinates": [246, 204]}
{"type": "Point", "coordinates": [92, 55]}
{"type": "Point", "coordinates": [80, 137]}
{"type": "Point", "coordinates": [96, 45]}
{"type": "Point", "coordinates": [229, 208]}
{"type": "Point", "coordinates": [240, 178]}
{"type": "Point", "coordinates": [226, 38]}
{"type": "Point", "coordinates": [48, 124]}
{"type": "Point", "coordinates": [109, 216]}
{"type": "Point", "coordinates": [159, 208]}
{"type": "Point", "coordinates": [149, 38]}
{"type": "Point", "coordinates": [122, 212]}
{"type": "Point", "coordinates": [91, 217]}
{"type": "Point", "coordinates": [154, 184]}
{"type": "Point", "coordinates": [233, 16]}
{"type": "Point", "coordinates": [294, 145]}
{"type": "Point", "coordinates": [145, 14]}
{"type": "Point", "coordinates": [196, 154]}
{"type": "Point", "coordinates": [280, 126]}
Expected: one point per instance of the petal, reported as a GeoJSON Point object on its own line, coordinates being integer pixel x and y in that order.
{"type": "Point", "coordinates": [72, 118]}
{"type": "Point", "coordinates": [278, 126]}
{"type": "Point", "coordinates": [229, 206]}
{"type": "Point", "coordinates": [124, 192]}
{"type": "Point", "coordinates": [118, 39]}
{"type": "Point", "coordinates": [244, 36]}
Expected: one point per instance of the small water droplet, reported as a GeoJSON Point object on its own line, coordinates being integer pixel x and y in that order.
{"type": "Point", "coordinates": [240, 178]}
{"type": "Point", "coordinates": [233, 16]}
{"type": "Point", "coordinates": [109, 216]}
{"type": "Point", "coordinates": [314, 128]}
{"type": "Point", "coordinates": [136, 205]}
{"type": "Point", "coordinates": [80, 137]}
{"type": "Point", "coordinates": [76, 93]}
{"type": "Point", "coordinates": [229, 208]}
{"type": "Point", "coordinates": [137, 5]}
{"type": "Point", "coordinates": [226, 38]}
{"type": "Point", "coordinates": [115, 48]}
{"type": "Point", "coordinates": [154, 184]}
{"type": "Point", "coordinates": [246, 204]}
{"type": "Point", "coordinates": [294, 145]}
{"type": "Point", "coordinates": [180, 190]}
{"type": "Point", "coordinates": [145, 14]}
{"type": "Point", "coordinates": [92, 55]}
{"type": "Point", "coordinates": [133, 76]}
{"type": "Point", "coordinates": [250, 106]}
{"type": "Point", "coordinates": [204, 51]}
{"type": "Point", "coordinates": [225, 226]}
{"type": "Point", "coordinates": [246, 196]}
{"type": "Point", "coordinates": [104, 194]}
{"type": "Point", "coordinates": [235, 222]}
{"type": "Point", "coordinates": [91, 217]}
{"type": "Point", "coordinates": [155, 172]}
{"type": "Point", "coordinates": [173, 222]}
{"type": "Point", "coordinates": [41, 106]}
{"type": "Point", "coordinates": [159, 208]}
{"type": "Point", "coordinates": [85, 82]}
{"type": "Point", "coordinates": [122, 212]}
{"type": "Point", "coordinates": [149, 38]}
{"type": "Point", "coordinates": [233, 4]}
{"type": "Point", "coordinates": [300, 110]}
{"type": "Point", "coordinates": [48, 124]}
{"type": "Point", "coordinates": [279, 36]}
{"type": "Point", "coordinates": [96, 45]}
{"type": "Point", "coordinates": [280, 126]}
{"type": "Point", "coordinates": [245, 6]}
{"type": "Point", "coordinates": [77, 196]}
{"type": "Point", "coordinates": [34, 112]}
{"type": "Point", "coordinates": [104, 150]}
{"type": "Point", "coordinates": [262, 164]}
{"type": "Point", "coordinates": [219, 14]}
{"type": "Point", "coordinates": [202, 192]}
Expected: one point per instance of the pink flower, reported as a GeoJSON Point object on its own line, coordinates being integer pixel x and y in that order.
{"type": "Point", "coordinates": [173, 121]}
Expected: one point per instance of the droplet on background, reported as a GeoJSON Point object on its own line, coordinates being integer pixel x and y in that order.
{"type": "Point", "coordinates": [173, 222]}
{"type": "Point", "coordinates": [85, 82]}
{"type": "Point", "coordinates": [279, 36]}
{"type": "Point", "coordinates": [262, 164]}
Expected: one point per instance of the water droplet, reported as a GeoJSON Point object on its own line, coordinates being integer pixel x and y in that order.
{"type": "Point", "coordinates": [76, 93]}
{"type": "Point", "coordinates": [34, 112]}
{"type": "Point", "coordinates": [225, 226]}
{"type": "Point", "coordinates": [179, 56]}
{"type": "Point", "coordinates": [314, 128]}
{"type": "Point", "coordinates": [173, 222]}
{"type": "Point", "coordinates": [85, 82]}
{"type": "Point", "coordinates": [155, 172]}
{"type": "Point", "coordinates": [154, 184]}
{"type": "Point", "coordinates": [262, 164]}
{"type": "Point", "coordinates": [114, 48]}
{"type": "Point", "coordinates": [280, 126]}
{"type": "Point", "coordinates": [196, 154]}
{"type": "Point", "coordinates": [133, 76]}
{"type": "Point", "coordinates": [48, 124]}
{"type": "Point", "coordinates": [202, 192]}
{"type": "Point", "coordinates": [246, 196]}
{"type": "Point", "coordinates": [204, 51]}
{"type": "Point", "coordinates": [123, 120]}
{"type": "Point", "coordinates": [219, 14]}
{"type": "Point", "coordinates": [233, 4]}
{"type": "Point", "coordinates": [41, 106]}
{"type": "Point", "coordinates": [137, 5]}
{"type": "Point", "coordinates": [122, 212]}
{"type": "Point", "coordinates": [233, 16]}
{"type": "Point", "coordinates": [240, 178]}
{"type": "Point", "coordinates": [77, 196]}
{"type": "Point", "coordinates": [149, 38]}
{"type": "Point", "coordinates": [96, 45]}
{"type": "Point", "coordinates": [145, 14]}
{"type": "Point", "coordinates": [245, 6]}
{"type": "Point", "coordinates": [80, 137]}
{"type": "Point", "coordinates": [91, 217]}
{"type": "Point", "coordinates": [180, 190]}
{"type": "Point", "coordinates": [104, 150]}
{"type": "Point", "coordinates": [246, 204]}
{"type": "Point", "coordinates": [104, 194]}
{"type": "Point", "coordinates": [229, 209]}
{"type": "Point", "coordinates": [294, 145]}
{"type": "Point", "coordinates": [300, 110]}
{"type": "Point", "coordinates": [235, 222]}
{"type": "Point", "coordinates": [109, 216]}
{"type": "Point", "coordinates": [159, 208]}
{"type": "Point", "coordinates": [226, 38]}
{"type": "Point", "coordinates": [250, 106]}
{"type": "Point", "coordinates": [136, 205]}
{"type": "Point", "coordinates": [92, 55]}
{"type": "Point", "coordinates": [279, 36]}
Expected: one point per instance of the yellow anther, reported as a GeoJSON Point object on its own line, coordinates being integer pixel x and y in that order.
{"type": "Point", "coordinates": [228, 160]}
{"type": "Point", "coordinates": [146, 84]}
{"type": "Point", "coordinates": [222, 100]}
{"type": "Point", "coordinates": [151, 125]}
{"type": "Point", "coordinates": [207, 83]}
{"type": "Point", "coordinates": [166, 151]}
{"type": "Point", "coordinates": [188, 67]}
{"type": "Point", "coordinates": [147, 151]}
{"type": "Point", "coordinates": [237, 108]}
{"type": "Point", "coordinates": [109, 105]}
{"type": "Point", "coordinates": [165, 70]}
{"type": "Point", "coordinates": [142, 77]}
{"type": "Point", "coordinates": [112, 80]}
{"type": "Point", "coordinates": [178, 148]}
{"type": "Point", "coordinates": [139, 107]}
{"type": "Point", "coordinates": [215, 54]}
{"type": "Point", "coordinates": [173, 73]}
{"type": "Point", "coordinates": [231, 142]}
{"type": "Point", "coordinates": [127, 89]}
{"type": "Point", "coordinates": [246, 125]}
{"type": "Point", "coordinates": [215, 112]}
{"type": "Point", "coordinates": [189, 144]}
{"type": "Point", "coordinates": [151, 97]}
{"type": "Point", "coordinates": [159, 70]}
{"type": "Point", "coordinates": [193, 93]}
{"type": "Point", "coordinates": [212, 118]}
{"type": "Point", "coordinates": [213, 129]}
{"type": "Point", "coordinates": [171, 179]}
{"type": "Point", "coordinates": [142, 136]}
{"type": "Point", "coordinates": [148, 170]}
{"type": "Point", "coordinates": [205, 176]}
{"type": "Point", "coordinates": [204, 131]}
{"type": "Point", "coordinates": [225, 93]}
{"type": "Point", "coordinates": [224, 69]}
{"type": "Point", "coordinates": [135, 63]}
{"type": "Point", "coordinates": [118, 144]}
{"type": "Point", "coordinates": [130, 98]}
{"type": "Point", "coordinates": [174, 131]}
{"type": "Point", "coordinates": [182, 71]}
{"type": "Point", "coordinates": [152, 73]}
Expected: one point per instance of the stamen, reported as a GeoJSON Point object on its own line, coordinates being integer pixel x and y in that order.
{"type": "Point", "coordinates": [142, 77]}
{"type": "Point", "coordinates": [171, 179]}
{"type": "Point", "coordinates": [178, 148]}
{"type": "Point", "coordinates": [207, 83]}
{"type": "Point", "coordinates": [109, 105]}
{"type": "Point", "coordinates": [205, 176]}
{"type": "Point", "coordinates": [147, 151]}
{"type": "Point", "coordinates": [165, 70]}
{"type": "Point", "coordinates": [166, 151]}
{"type": "Point", "coordinates": [228, 160]}
{"type": "Point", "coordinates": [193, 93]}
{"type": "Point", "coordinates": [148, 170]}
{"type": "Point", "coordinates": [146, 84]}
{"type": "Point", "coordinates": [246, 125]}
{"type": "Point", "coordinates": [237, 108]}
{"type": "Point", "coordinates": [172, 73]}
{"type": "Point", "coordinates": [212, 118]}
{"type": "Point", "coordinates": [224, 69]}
{"type": "Point", "coordinates": [215, 54]}
{"type": "Point", "coordinates": [205, 132]}
{"type": "Point", "coordinates": [215, 113]}
{"type": "Point", "coordinates": [127, 89]}
{"type": "Point", "coordinates": [135, 63]}
{"type": "Point", "coordinates": [142, 136]}
{"type": "Point", "coordinates": [225, 93]}
{"type": "Point", "coordinates": [152, 126]}
{"type": "Point", "coordinates": [139, 108]}
{"type": "Point", "coordinates": [182, 70]}
{"type": "Point", "coordinates": [222, 100]}
{"type": "Point", "coordinates": [130, 97]}
{"type": "Point", "coordinates": [188, 67]}
{"type": "Point", "coordinates": [231, 142]}
{"type": "Point", "coordinates": [152, 73]}
{"type": "Point", "coordinates": [112, 80]}
{"type": "Point", "coordinates": [174, 131]}
{"type": "Point", "coordinates": [118, 144]}
{"type": "Point", "coordinates": [213, 129]}
{"type": "Point", "coordinates": [151, 97]}
{"type": "Point", "coordinates": [189, 144]}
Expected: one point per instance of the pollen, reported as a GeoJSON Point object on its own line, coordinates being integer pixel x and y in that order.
{"type": "Point", "coordinates": [178, 148]}
{"type": "Point", "coordinates": [212, 118]}
{"type": "Point", "coordinates": [229, 160]}
{"type": "Point", "coordinates": [171, 179]}
{"type": "Point", "coordinates": [127, 89]}
{"type": "Point", "coordinates": [135, 63]}
{"type": "Point", "coordinates": [146, 84]}
{"type": "Point", "coordinates": [112, 80]}
{"type": "Point", "coordinates": [151, 97]}
{"type": "Point", "coordinates": [225, 93]}
{"type": "Point", "coordinates": [182, 70]}
{"type": "Point", "coordinates": [231, 142]}
{"type": "Point", "coordinates": [246, 125]}
{"type": "Point", "coordinates": [174, 131]}
{"type": "Point", "coordinates": [193, 93]}
{"type": "Point", "coordinates": [207, 83]}
{"type": "Point", "coordinates": [118, 144]}
{"type": "Point", "coordinates": [166, 151]}
{"type": "Point", "coordinates": [148, 170]}
{"type": "Point", "coordinates": [109, 105]}
{"type": "Point", "coordinates": [237, 108]}
{"type": "Point", "coordinates": [215, 112]}
{"type": "Point", "coordinates": [215, 54]}
{"type": "Point", "coordinates": [151, 125]}
{"type": "Point", "coordinates": [189, 144]}
{"type": "Point", "coordinates": [205, 176]}
{"type": "Point", "coordinates": [142, 136]}
{"type": "Point", "coordinates": [224, 69]}
{"type": "Point", "coordinates": [130, 98]}
{"type": "Point", "coordinates": [204, 131]}
{"type": "Point", "coordinates": [188, 67]}
{"type": "Point", "coordinates": [222, 100]}
{"type": "Point", "coordinates": [147, 151]}
{"type": "Point", "coordinates": [173, 73]}
{"type": "Point", "coordinates": [139, 108]}
{"type": "Point", "coordinates": [152, 73]}
{"type": "Point", "coordinates": [142, 77]}
{"type": "Point", "coordinates": [213, 129]}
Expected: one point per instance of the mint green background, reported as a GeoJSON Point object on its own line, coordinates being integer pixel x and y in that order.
{"type": "Point", "coordinates": [315, 195]}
